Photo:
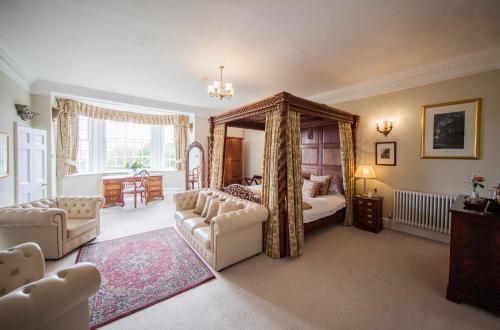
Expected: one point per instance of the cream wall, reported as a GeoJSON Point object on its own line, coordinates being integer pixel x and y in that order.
{"type": "Point", "coordinates": [428, 175]}
{"type": "Point", "coordinates": [10, 94]}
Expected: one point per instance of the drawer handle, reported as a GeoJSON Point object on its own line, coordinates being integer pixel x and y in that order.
{"type": "Point", "coordinates": [369, 210]}
{"type": "Point", "coordinates": [370, 222]}
{"type": "Point", "coordinates": [369, 204]}
{"type": "Point", "coordinates": [369, 216]}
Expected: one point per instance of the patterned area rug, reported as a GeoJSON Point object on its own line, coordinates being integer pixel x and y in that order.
{"type": "Point", "coordinates": [139, 271]}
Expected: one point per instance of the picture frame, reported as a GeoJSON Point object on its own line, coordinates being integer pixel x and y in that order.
{"type": "Point", "coordinates": [451, 130]}
{"type": "Point", "coordinates": [385, 153]}
{"type": "Point", "coordinates": [4, 155]}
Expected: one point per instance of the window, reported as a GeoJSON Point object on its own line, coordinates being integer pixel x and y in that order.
{"type": "Point", "coordinates": [169, 148]}
{"type": "Point", "coordinates": [83, 145]}
{"type": "Point", "coordinates": [109, 145]}
{"type": "Point", "coordinates": [126, 143]}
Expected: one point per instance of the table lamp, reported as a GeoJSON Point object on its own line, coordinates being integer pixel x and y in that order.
{"type": "Point", "coordinates": [364, 172]}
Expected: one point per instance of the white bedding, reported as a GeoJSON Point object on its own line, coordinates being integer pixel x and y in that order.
{"type": "Point", "coordinates": [322, 206]}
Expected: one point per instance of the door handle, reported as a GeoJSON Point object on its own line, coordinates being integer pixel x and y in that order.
{"type": "Point", "coordinates": [44, 184]}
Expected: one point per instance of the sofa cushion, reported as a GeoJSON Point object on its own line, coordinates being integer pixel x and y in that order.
{"type": "Point", "coordinates": [185, 214]}
{"type": "Point", "coordinates": [76, 227]}
{"type": "Point", "coordinates": [203, 236]}
{"type": "Point", "coordinates": [212, 210]}
{"type": "Point", "coordinates": [200, 203]}
{"type": "Point", "coordinates": [192, 223]}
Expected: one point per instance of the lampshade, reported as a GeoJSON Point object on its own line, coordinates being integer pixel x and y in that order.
{"type": "Point", "coordinates": [365, 171]}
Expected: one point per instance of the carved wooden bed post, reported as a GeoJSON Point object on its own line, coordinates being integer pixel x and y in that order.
{"type": "Point", "coordinates": [210, 149]}
{"type": "Point", "coordinates": [282, 108]}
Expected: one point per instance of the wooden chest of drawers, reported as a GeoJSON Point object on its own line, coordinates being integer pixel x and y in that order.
{"type": "Point", "coordinates": [368, 213]}
{"type": "Point", "coordinates": [112, 188]}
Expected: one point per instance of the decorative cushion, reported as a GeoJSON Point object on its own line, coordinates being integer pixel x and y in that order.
{"type": "Point", "coordinates": [306, 206]}
{"type": "Point", "coordinates": [77, 227]}
{"type": "Point", "coordinates": [207, 206]}
{"type": "Point", "coordinates": [200, 203]}
{"type": "Point", "coordinates": [212, 210]}
{"type": "Point", "coordinates": [226, 207]}
{"type": "Point", "coordinates": [310, 188]}
{"type": "Point", "coordinates": [324, 182]}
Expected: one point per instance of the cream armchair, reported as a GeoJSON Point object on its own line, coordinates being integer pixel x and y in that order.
{"type": "Point", "coordinates": [28, 300]}
{"type": "Point", "coordinates": [57, 225]}
{"type": "Point", "coordinates": [229, 238]}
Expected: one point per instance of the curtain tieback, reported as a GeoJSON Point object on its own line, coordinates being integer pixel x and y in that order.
{"type": "Point", "coordinates": [67, 161]}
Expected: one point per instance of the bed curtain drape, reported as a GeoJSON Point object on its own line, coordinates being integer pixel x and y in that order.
{"type": "Point", "coordinates": [219, 140]}
{"type": "Point", "coordinates": [347, 159]}
{"type": "Point", "coordinates": [67, 145]}
{"type": "Point", "coordinates": [270, 185]}
{"type": "Point", "coordinates": [294, 184]}
{"type": "Point", "coordinates": [281, 240]}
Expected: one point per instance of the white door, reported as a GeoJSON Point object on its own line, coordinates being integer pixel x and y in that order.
{"type": "Point", "coordinates": [31, 164]}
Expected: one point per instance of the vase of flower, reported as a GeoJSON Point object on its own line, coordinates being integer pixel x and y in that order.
{"type": "Point", "coordinates": [476, 182]}
{"type": "Point", "coordinates": [134, 166]}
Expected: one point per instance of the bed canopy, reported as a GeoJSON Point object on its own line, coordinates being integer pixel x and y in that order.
{"type": "Point", "coordinates": [281, 117]}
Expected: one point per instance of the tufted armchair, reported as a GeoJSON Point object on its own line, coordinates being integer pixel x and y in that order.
{"type": "Point", "coordinates": [28, 300]}
{"type": "Point", "coordinates": [57, 225]}
{"type": "Point", "coordinates": [229, 238]}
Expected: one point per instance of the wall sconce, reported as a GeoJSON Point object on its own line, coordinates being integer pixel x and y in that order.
{"type": "Point", "coordinates": [25, 111]}
{"type": "Point", "coordinates": [387, 128]}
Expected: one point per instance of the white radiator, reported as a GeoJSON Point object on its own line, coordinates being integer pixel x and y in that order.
{"type": "Point", "coordinates": [423, 210]}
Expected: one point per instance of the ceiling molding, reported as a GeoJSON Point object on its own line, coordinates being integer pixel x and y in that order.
{"type": "Point", "coordinates": [45, 87]}
{"type": "Point", "coordinates": [457, 67]}
{"type": "Point", "coordinates": [14, 70]}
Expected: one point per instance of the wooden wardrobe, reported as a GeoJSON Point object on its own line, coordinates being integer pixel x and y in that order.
{"type": "Point", "coordinates": [233, 161]}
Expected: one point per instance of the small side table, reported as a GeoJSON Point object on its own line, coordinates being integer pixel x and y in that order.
{"type": "Point", "coordinates": [368, 213]}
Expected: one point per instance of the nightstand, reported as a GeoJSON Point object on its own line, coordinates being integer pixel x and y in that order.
{"type": "Point", "coordinates": [368, 213]}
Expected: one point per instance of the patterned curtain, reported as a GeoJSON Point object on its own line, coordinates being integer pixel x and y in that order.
{"type": "Point", "coordinates": [67, 140]}
{"type": "Point", "coordinates": [217, 174]}
{"type": "Point", "coordinates": [180, 136]}
{"type": "Point", "coordinates": [270, 185]}
{"type": "Point", "coordinates": [294, 175]}
{"type": "Point", "coordinates": [347, 157]}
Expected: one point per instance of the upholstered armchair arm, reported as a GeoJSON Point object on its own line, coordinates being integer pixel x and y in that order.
{"type": "Point", "coordinates": [235, 220]}
{"type": "Point", "coordinates": [31, 217]}
{"type": "Point", "coordinates": [36, 304]}
{"type": "Point", "coordinates": [186, 200]}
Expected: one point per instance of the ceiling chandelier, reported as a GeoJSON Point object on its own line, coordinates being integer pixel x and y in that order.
{"type": "Point", "coordinates": [219, 89]}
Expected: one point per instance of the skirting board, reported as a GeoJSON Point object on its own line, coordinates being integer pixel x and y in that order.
{"type": "Point", "coordinates": [389, 224]}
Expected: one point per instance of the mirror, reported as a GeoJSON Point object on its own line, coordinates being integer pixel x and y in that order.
{"type": "Point", "coordinates": [195, 166]}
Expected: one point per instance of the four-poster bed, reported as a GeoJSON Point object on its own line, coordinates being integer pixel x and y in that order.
{"type": "Point", "coordinates": [301, 138]}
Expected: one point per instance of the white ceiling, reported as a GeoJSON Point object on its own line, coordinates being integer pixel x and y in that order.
{"type": "Point", "coordinates": [161, 49]}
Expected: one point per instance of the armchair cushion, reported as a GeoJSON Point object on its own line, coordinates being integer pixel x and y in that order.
{"type": "Point", "coordinates": [76, 227]}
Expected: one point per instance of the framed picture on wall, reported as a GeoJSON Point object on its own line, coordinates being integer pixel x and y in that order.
{"type": "Point", "coordinates": [451, 130]}
{"type": "Point", "coordinates": [385, 153]}
{"type": "Point", "coordinates": [4, 155]}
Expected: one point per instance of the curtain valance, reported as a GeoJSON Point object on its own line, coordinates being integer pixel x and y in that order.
{"type": "Point", "coordinates": [92, 111]}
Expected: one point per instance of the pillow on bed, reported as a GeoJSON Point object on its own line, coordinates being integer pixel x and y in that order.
{"type": "Point", "coordinates": [306, 206]}
{"type": "Point", "coordinates": [310, 188]}
{"type": "Point", "coordinates": [200, 203]}
{"type": "Point", "coordinates": [324, 182]}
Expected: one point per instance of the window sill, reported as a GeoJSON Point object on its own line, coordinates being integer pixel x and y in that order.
{"type": "Point", "coordinates": [111, 172]}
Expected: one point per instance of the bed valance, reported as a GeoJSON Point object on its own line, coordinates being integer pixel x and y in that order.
{"type": "Point", "coordinates": [281, 117]}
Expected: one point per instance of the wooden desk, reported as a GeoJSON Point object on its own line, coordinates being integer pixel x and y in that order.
{"type": "Point", "coordinates": [112, 187]}
{"type": "Point", "coordinates": [474, 257]}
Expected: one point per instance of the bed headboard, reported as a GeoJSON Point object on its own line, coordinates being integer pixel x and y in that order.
{"type": "Point", "coordinates": [321, 152]}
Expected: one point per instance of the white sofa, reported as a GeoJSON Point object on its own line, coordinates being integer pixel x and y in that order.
{"type": "Point", "coordinates": [28, 300]}
{"type": "Point", "coordinates": [57, 225]}
{"type": "Point", "coordinates": [229, 238]}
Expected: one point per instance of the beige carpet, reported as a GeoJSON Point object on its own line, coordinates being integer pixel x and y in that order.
{"type": "Point", "coordinates": [346, 279]}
